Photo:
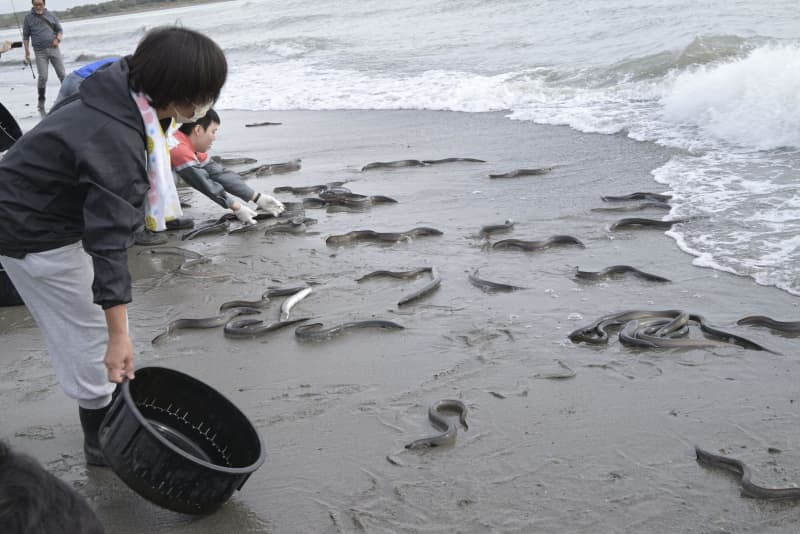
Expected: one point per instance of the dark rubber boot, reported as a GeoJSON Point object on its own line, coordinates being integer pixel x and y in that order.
{"type": "Point", "coordinates": [180, 223]}
{"type": "Point", "coordinates": [90, 422]}
{"type": "Point", "coordinates": [146, 238]}
{"type": "Point", "coordinates": [41, 96]}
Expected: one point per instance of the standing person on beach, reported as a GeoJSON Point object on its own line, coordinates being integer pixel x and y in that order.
{"type": "Point", "coordinates": [190, 161]}
{"type": "Point", "coordinates": [44, 32]}
{"type": "Point", "coordinates": [72, 193]}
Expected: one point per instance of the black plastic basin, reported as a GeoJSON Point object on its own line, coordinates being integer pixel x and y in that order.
{"type": "Point", "coordinates": [179, 443]}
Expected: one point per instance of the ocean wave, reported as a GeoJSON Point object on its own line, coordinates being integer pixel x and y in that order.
{"type": "Point", "coordinates": [751, 102]}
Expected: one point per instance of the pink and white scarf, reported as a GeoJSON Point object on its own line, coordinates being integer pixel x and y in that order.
{"type": "Point", "coordinates": [162, 203]}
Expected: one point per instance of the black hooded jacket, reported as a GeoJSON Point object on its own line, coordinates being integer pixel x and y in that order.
{"type": "Point", "coordinates": [80, 174]}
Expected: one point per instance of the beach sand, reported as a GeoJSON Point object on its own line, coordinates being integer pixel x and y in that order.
{"type": "Point", "coordinates": [609, 450]}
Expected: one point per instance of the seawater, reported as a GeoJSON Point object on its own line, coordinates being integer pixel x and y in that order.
{"type": "Point", "coordinates": [720, 81]}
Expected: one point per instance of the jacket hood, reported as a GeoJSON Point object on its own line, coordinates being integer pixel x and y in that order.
{"type": "Point", "coordinates": [108, 91]}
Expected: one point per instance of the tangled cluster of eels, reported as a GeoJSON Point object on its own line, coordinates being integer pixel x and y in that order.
{"type": "Point", "coordinates": [658, 329]}
{"type": "Point", "coordinates": [205, 322]}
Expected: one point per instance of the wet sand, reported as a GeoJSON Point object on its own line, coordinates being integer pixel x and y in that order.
{"type": "Point", "coordinates": [609, 450]}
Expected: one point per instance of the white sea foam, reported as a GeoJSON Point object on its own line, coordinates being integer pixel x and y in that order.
{"type": "Point", "coordinates": [751, 102]}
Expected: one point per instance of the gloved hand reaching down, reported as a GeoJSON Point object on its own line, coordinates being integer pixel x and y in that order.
{"type": "Point", "coordinates": [245, 214]}
{"type": "Point", "coordinates": [269, 204]}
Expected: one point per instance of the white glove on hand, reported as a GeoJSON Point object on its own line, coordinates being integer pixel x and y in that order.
{"type": "Point", "coordinates": [245, 214]}
{"type": "Point", "coordinates": [269, 204]}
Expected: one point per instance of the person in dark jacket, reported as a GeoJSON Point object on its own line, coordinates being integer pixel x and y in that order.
{"type": "Point", "coordinates": [35, 501]}
{"type": "Point", "coordinates": [75, 188]}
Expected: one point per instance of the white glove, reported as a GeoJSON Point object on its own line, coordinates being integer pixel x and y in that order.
{"type": "Point", "coordinates": [245, 214]}
{"type": "Point", "coordinates": [269, 204]}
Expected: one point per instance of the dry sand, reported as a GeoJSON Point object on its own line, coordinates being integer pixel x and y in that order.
{"type": "Point", "coordinates": [610, 450]}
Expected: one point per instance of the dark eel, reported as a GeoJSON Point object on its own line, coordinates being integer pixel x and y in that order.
{"type": "Point", "coordinates": [282, 291]}
{"type": "Point", "coordinates": [214, 227]}
{"type": "Point", "coordinates": [315, 332]}
{"type": "Point", "coordinates": [405, 275]}
{"type": "Point", "coordinates": [538, 245]}
{"type": "Point", "coordinates": [273, 168]}
{"type": "Point", "coordinates": [451, 160]}
{"type": "Point", "coordinates": [435, 282]}
{"type": "Point", "coordinates": [385, 237]}
{"type": "Point", "coordinates": [739, 468]}
{"type": "Point", "coordinates": [263, 302]}
{"type": "Point", "coordinates": [314, 203]}
{"type": "Point", "coordinates": [233, 161]}
{"type": "Point", "coordinates": [393, 164]}
{"type": "Point", "coordinates": [296, 225]}
{"type": "Point", "coordinates": [206, 322]}
{"type": "Point", "coordinates": [191, 259]}
{"type": "Point", "coordinates": [490, 287]}
{"type": "Point", "coordinates": [789, 327]}
{"type": "Point", "coordinates": [449, 430]}
{"type": "Point", "coordinates": [242, 328]}
{"type": "Point", "coordinates": [382, 199]}
{"type": "Point", "coordinates": [522, 172]}
{"type": "Point", "coordinates": [640, 222]}
{"type": "Point", "coordinates": [638, 207]}
{"type": "Point", "coordinates": [266, 123]}
{"type": "Point", "coordinates": [490, 229]}
{"type": "Point", "coordinates": [618, 269]}
{"type": "Point", "coordinates": [248, 228]}
{"type": "Point", "coordinates": [343, 208]}
{"type": "Point", "coordinates": [307, 190]}
{"type": "Point", "coordinates": [416, 163]}
{"type": "Point", "coordinates": [639, 195]}
{"type": "Point", "coordinates": [175, 251]}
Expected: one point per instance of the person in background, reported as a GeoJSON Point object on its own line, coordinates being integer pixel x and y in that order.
{"type": "Point", "coordinates": [34, 501]}
{"type": "Point", "coordinates": [191, 162]}
{"type": "Point", "coordinates": [44, 32]}
{"type": "Point", "coordinates": [75, 188]}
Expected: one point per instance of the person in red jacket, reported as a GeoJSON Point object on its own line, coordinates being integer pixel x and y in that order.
{"type": "Point", "coordinates": [190, 160]}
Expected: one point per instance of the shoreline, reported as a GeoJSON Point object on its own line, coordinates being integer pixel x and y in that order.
{"type": "Point", "coordinates": [64, 17]}
{"type": "Point", "coordinates": [607, 450]}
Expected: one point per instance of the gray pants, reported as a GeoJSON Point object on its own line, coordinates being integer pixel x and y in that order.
{"type": "Point", "coordinates": [56, 286]}
{"type": "Point", "coordinates": [43, 59]}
